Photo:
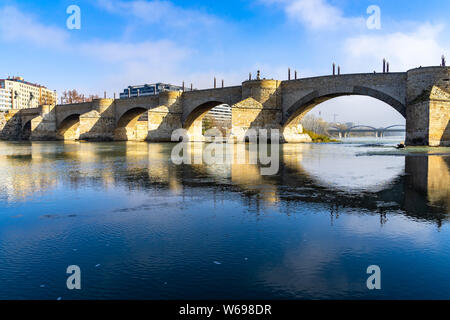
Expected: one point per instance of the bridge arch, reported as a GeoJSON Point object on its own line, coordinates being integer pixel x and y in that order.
{"type": "Point", "coordinates": [193, 122]}
{"type": "Point", "coordinates": [353, 129]}
{"type": "Point", "coordinates": [394, 126]}
{"type": "Point", "coordinates": [307, 102]}
{"type": "Point", "coordinates": [69, 128]}
{"type": "Point", "coordinates": [132, 125]}
{"type": "Point", "coordinates": [26, 131]}
{"type": "Point", "coordinates": [361, 126]}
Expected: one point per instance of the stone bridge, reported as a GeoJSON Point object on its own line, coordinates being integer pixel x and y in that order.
{"type": "Point", "coordinates": [421, 95]}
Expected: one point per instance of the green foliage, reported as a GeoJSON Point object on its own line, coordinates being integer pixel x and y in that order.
{"type": "Point", "coordinates": [319, 138]}
{"type": "Point", "coordinates": [207, 124]}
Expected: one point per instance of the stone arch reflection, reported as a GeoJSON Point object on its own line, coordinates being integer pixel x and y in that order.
{"type": "Point", "coordinates": [428, 176]}
{"type": "Point", "coordinates": [416, 186]}
{"type": "Point", "coordinates": [345, 172]}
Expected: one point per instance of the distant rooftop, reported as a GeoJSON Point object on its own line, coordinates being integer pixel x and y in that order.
{"type": "Point", "coordinates": [148, 89]}
{"type": "Point", "coordinates": [21, 80]}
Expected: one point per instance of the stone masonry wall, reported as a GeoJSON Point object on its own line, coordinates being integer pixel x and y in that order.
{"type": "Point", "coordinates": [422, 94]}
{"type": "Point", "coordinates": [428, 106]}
{"type": "Point", "coordinates": [10, 125]}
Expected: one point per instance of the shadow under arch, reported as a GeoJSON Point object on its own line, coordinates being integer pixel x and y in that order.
{"type": "Point", "coordinates": [69, 128]}
{"type": "Point", "coordinates": [26, 131]}
{"type": "Point", "coordinates": [194, 121]}
{"type": "Point", "coordinates": [445, 137]}
{"type": "Point", "coordinates": [299, 109]}
{"type": "Point", "coordinates": [132, 125]}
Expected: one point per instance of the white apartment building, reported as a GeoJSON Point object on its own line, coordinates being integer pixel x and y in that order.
{"type": "Point", "coordinates": [16, 93]}
{"type": "Point", "coordinates": [220, 113]}
{"type": "Point", "coordinates": [5, 100]}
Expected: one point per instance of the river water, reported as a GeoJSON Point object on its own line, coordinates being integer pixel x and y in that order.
{"type": "Point", "coordinates": [141, 227]}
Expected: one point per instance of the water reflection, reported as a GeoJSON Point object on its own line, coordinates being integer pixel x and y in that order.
{"type": "Point", "coordinates": [337, 175]}
{"type": "Point", "coordinates": [156, 228]}
{"type": "Point", "coordinates": [427, 178]}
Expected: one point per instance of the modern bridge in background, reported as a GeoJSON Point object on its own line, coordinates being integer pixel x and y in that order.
{"type": "Point", "coordinates": [378, 132]}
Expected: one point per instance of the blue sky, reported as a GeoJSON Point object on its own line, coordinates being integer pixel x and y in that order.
{"type": "Point", "coordinates": [131, 42]}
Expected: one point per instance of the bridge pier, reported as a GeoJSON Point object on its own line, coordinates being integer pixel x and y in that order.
{"type": "Point", "coordinates": [98, 124]}
{"type": "Point", "coordinates": [44, 127]}
{"type": "Point", "coordinates": [428, 107]}
{"type": "Point", "coordinates": [166, 117]}
{"type": "Point", "coordinates": [260, 108]}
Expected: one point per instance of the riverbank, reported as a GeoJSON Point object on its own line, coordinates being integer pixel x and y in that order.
{"type": "Point", "coordinates": [319, 138]}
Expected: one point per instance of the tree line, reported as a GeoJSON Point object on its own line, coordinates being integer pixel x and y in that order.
{"type": "Point", "coordinates": [73, 96]}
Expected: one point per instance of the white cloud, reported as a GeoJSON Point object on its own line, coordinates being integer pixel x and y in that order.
{"type": "Point", "coordinates": [16, 26]}
{"type": "Point", "coordinates": [133, 63]}
{"type": "Point", "coordinates": [316, 14]}
{"type": "Point", "coordinates": [404, 50]}
{"type": "Point", "coordinates": [153, 53]}
{"type": "Point", "coordinates": [398, 226]}
{"type": "Point", "coordinates": [156, 11]}
{"type": "Point", "coordinates": [128, 62]}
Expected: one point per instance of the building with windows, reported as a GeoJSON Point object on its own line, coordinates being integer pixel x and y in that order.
{"type": "Point", "coordinates": [148, 90]}
{"type": "Point", "coordinates": [5, 100]}
{"type": "Point", "coordinates": [220, 113]}
{"type": "Point", "coordinates": [16, 93]}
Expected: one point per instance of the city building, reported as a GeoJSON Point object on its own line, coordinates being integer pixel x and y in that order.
{"type": "Point", "coordinates": [16, 93]}
{"type": "Point", "coordinates": [220, 113]}
{"type": "Point", "coordinates": [148, 90]}
{"type": "Point", "coordinates": [5, 100]}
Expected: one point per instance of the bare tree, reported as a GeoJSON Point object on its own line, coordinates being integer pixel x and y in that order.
{"type": "Point", "coordinates": [315, 124]}
{"type": "Point", "coordinates": [72, 96]}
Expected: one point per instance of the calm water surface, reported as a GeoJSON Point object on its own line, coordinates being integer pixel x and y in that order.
{"type": "Point", "coordinates": [141, 227]}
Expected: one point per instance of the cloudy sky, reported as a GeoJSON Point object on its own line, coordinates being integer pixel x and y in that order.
{"type": "Point", "coordinates": [122, 43]}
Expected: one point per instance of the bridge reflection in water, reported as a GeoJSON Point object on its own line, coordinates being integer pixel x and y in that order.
{"type": "Point", "coordinates": [155, 228]}
{"type": "Point", "coordinates": [416, 185]}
